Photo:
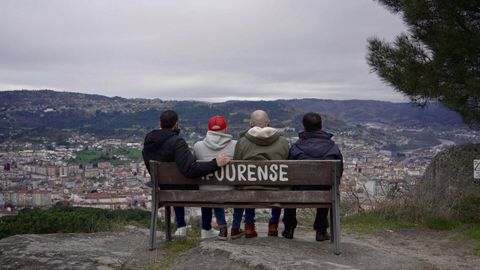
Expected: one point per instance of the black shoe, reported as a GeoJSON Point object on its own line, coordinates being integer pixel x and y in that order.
{"type": "Point", "coordinates": [288, 233]}
{"type": "Point", "coordinates": [322, 236]}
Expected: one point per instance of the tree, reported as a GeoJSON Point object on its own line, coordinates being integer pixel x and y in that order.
{"type": "Point", "coordinates": [438, 59]}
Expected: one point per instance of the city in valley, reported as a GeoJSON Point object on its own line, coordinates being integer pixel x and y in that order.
{"type": "Point", "coordinates": [109, 173]}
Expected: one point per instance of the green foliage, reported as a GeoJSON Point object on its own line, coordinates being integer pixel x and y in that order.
{"type": "Point", "coordinates": [130, 153]}
{"type": "Point", "coordinates": [375, 221]}
{"type": "Point", "coordinates": [175, 248]}
{"type": "Point", "coordinates": [65, 219]}
{"type": "Point", "coordinates": [469, 210]}
{"type": "Point", "coordinates": [92, 156]}
{"type": "Point", "coordinates": [87, 156]}
{"type": "Point", "coordinates": [441, 223]}
{"type": "Point", "coordinates": [439, 57]}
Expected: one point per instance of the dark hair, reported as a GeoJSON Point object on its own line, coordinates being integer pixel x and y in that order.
{"type": "Point", "coordinates": [168, 119]}
{"type": "Point", "coordinates": [312, 121]}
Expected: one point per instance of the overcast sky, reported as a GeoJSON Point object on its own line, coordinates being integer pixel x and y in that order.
{"type": "Point", "coordinates": [199, 49]}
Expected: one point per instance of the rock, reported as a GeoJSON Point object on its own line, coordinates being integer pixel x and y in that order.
{"type": "Point", "coordinates": [127, 249]}
{"type": "Point", "coordinates": [447, 181]}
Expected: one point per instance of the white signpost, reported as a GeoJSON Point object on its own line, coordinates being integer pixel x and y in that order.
{"type": "Point", "coordinates": [476, 169]}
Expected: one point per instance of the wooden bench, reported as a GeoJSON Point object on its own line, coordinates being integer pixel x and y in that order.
{"type": "Point", "coordinates": [285, 173]}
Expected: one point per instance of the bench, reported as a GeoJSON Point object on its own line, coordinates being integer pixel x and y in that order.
{"type": "Point", "coordinates": [265, 174]}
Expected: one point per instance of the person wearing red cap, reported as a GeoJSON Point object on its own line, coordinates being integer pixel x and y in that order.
{"type": "Point", "coordinates": [217, 140]}
{"type": "Point", "coordinates": [165, 144]}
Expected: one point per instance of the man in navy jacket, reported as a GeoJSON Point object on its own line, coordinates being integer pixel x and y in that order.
{"type": "Point", "coordinates": [313, 144]}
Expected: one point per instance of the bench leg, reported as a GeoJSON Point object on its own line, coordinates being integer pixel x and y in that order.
{"type": "Point", "coordinates": [331, 225]}
{"type": "Point", "coordinates": [153, 222]}
{"type": "Point", "coordinates": [336, 210]}
{"type": "Point", "coordinates": [336, 222]}
{"type": "Point", "coordinates": [168, 228]}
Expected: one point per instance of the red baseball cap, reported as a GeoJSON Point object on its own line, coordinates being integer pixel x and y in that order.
{"type": "Point", "coordinates": [217, 123]}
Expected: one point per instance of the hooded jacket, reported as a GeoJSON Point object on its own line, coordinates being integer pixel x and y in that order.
{"type": "Point", "coordinates": [261, 144]}
{"type": "Point", "coordinates": [315, 145]}
{"type": "Point", "coordinates": [166, 145]}
{"type": "Point", "coordinates": [208, 148]}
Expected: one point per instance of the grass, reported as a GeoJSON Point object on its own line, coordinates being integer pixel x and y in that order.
{"type": "Point", "coordinates": [474, 233]}
{"type": "Point", "coordinates": [374, 222]}
{"type": "Point", "coordinates": [92, 156]}
{"type": "Point", "coordinates": [130, 153]}
{"type": "Point", "coordinates": [87, 156]}
{"type": "Point", "coordinates": [176, 248]}
{"type": "Point", "coordinates": [466, 226]}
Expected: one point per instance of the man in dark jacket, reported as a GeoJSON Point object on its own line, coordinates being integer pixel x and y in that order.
{"type": "Point", "coordinates": [313, 144]}
{"type": "Point", "coordinates": [165, 145]}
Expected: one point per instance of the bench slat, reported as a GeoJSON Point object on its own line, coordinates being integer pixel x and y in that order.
{"type": "Point", "coordinates": [247, 205]}
{"type": "Point", "coordinates": [245, 196]}
{"type": "Point", "coordinates": [247, 173]}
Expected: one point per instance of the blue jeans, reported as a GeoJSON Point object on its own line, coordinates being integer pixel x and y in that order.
{"type": "Point", "coordinates": [207, 217]}
{"type": "Point", "coordinates": [275, 215]}
{"type": "Point", "coordinates": [180, 216]}
{"type": "Point", "coordinates": [237, 216]}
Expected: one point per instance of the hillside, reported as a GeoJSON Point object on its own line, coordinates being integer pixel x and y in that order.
{"type": "Point", "coordinates": [26, 114]}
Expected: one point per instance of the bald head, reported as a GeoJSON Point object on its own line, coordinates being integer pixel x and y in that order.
{"type": "Point", "coordinates": [259, 118]}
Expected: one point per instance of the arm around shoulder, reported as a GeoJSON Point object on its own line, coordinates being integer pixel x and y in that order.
{"type": "Point", "coordinates": [187, 164]}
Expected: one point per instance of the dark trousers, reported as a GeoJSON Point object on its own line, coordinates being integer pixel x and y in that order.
{"type": "Point", "coordinates": [320, 224]}
{"type": "Point", "coordinates": [321, 217]}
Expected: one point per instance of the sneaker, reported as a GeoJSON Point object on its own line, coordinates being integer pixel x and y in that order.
{"type": "Point", "coordinates": [272, 229]}
{"type": "Point", "coordinates": [288, 233]}
{"type": "Point", "coordinates": [223, 234]}
{"type": "Point", "coordinates": [250, 231]}
{"type": "Point", "coordinates": [181, 232]}
{"type": "Point", "coordinates": [209, 234]}
{"type": "Point", "coordinates": [322, 236]}
{"type": "Point", "coordinates": [236, 233]}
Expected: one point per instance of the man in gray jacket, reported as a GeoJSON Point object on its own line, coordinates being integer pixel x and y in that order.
{"type": "Point", "coordinates": [217, 140]}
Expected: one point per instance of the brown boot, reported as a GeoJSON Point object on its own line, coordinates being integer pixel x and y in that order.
{"type": "Point", "coordinates": [250, 231]}
{"type": "Point", "coordinates": [272, 229]}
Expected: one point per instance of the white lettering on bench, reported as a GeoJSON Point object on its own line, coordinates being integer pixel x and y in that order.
{"type": "Point", "coordinates": [219, 177]}
{"type": "Point", "coordinates": [283, 172]}
{"type": "Point", "coordinates": [273, 172]}
{"type": "Point", "coordinates": [250, 172]}
{"type": "Point", "coordinates": [241, 170]}
{"type": "Point", "coordinates": [230, 177]}
{"type": "Point", "coordinates": [262, 173]}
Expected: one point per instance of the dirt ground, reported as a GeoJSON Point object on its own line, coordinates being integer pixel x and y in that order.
{"type": "Point", "coordinates": [405, 249]}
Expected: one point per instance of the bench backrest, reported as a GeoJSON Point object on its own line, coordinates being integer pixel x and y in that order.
{"type": "Point", "coordinates": [264, 173]}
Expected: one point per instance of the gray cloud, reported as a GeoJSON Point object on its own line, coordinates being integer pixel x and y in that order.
{"type": "Point", "coordinates": [208, 50]}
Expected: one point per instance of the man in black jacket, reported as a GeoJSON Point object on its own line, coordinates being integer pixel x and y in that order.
{"type": "Point", "coordinates": [165, 145]}
{"type": "Point", "coordinates": [313, 144]}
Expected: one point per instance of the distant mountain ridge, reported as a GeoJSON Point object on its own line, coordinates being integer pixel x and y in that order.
{"type": "Point", "coordinates": [25, 112]}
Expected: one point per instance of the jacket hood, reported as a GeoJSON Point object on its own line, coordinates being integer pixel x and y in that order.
{"type": "Point", "coordinates": [217, 140]}
{"type": "Point", "coordinates": [315, 144]}
{"type": "Point", "coordinates": [157, 138]}
{"type": "Point", "coordinates": [262, 136]}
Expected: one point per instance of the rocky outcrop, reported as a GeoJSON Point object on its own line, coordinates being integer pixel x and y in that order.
{"type": "Point", "coordinates": [447, 181]}
{"type": "Point", "coordinates": [122, 250]}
